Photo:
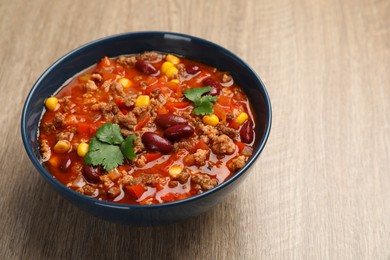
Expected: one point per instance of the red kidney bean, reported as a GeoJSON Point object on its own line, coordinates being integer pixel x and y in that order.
{"type": "Point", "coordinates": [92, 173]}
{"type": "Point", "coordinates": [192, 69]}
{"type": "Point", "coordinates": [155, 142]}
{"type": "Point", "coordinates": [211, 82]}
{"type": "Point", "coordinates": [146, 67]}
{"type": "Point", "coordinates": [65, 163]}
{"type": "Point", "coordinates": [215, 87]}
{"type": "Point", "coordinates": [246, 132]}
{"type": "Point", "coordinates": [179, 131]}
{"type": "Point", "coordinates": [168, 120]}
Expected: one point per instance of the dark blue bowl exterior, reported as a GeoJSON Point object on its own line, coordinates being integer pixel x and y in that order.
{"type": "Point", "coordinates": [188, 46]}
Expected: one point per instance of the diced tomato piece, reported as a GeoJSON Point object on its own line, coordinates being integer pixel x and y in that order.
{"type": "Point", "coordinates": [168, 197]}
{"type": "Point", "coordinates": [176, 88]}
{"type": "Point", "coordinates": [142, 123]}
{"type": "Point", "coordinates": [119, 102]}
{"type": "Point", "coordinates": [152, 87]}
{"type": "Point", "coordinates": [163, 110]}
{"type": "Point", "coordinates": [224, 101]}
{"type": "Point", "coordinates": [152, 156]}
{"type": "Point", "coordinates": [220, 111]}
{"type": "Point", "coordinates": [240, 146]}
{"type": "Point", "coordinates": [84, 129]}
{"type": "Point", "coordinates": [136, 191]}
{"type": "Point", "coordinates": [201, 145]}
{"type": "Point", "coordinates": [233, 124]}
{"type": "Point", "coordinates": [108, 75]}
{"type": "Point", "coordinates": [189, 160]}
{"type": "Point", "coordinates": [172, 106]}
{"type": "Point", "coordinates": [124, 111]}
{"type": "Point", "coordinates": [151, 80]}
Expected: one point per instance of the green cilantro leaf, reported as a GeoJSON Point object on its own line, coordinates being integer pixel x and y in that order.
{"type": "Point", "coordinates": [127, 147]}
{"type": "Point", "coordinates": [108, 148]}
{"type": "Point", "coordinates": [203, 103]}
{"type": "Point", "coordinates": [110, 133]}
{"type": "Point", "coordinates": [109, 156]}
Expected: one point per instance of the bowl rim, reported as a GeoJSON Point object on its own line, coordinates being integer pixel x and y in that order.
{"type": "Point", "coordinates": [45, 173]}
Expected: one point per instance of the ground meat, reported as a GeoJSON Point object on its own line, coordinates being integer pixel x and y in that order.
{"type": "Point", "coordinates": [106, 85]}
{"type": "Point", "coordinates": [150, 179]}
{"type": "Point", "coordinates": [200, 157]}
{"type": "Point", "coordinates": [188, 116]}
{"type": "Point", "coordinates": [129, 180]}
{"type": "Point", "coordinates": [97, 77]}
{"type": "Point", "coordinates": [173, 184]}
{"type": "Point", "coordinates": [183, 176]}
{"type": "Point", "coordinates": [205, 181]}
{"type": "Point", "coordinates": [90, 86]}
{"type": "Point", "coordinates": [138, 145]}
{"type": "Point", "coordinates": [118, 87]}
{"type": "Point", "coordinates": [150, 56]}
{"type": "Point", "coordinates": [113, 192]}
{"type": "Point", "coordinates": [88, 190]}
{"type": "Point", "coordinates": [207, 131]}
{"type": "Point", "coordinates": [139, 110]}
{"type": "Point", "coordinates": [45, 150]}
{"type": "Point", "coordinates": [104, 108]}
{"type": "Point", "coordinates": [155, 93]}
{"type": "Point", "coordinates": [237, 163]}
{"type": "Point", "coordinates": [107, 182]}
{"type": "Point", "coordinates": [232, 133]}
{"type": "Point", "coordinates": [127, 61]}
{"type": "Point", "coordinates": [66, 104]}
{"type": "Point", "coordinates": [126, 132]}
{"type": "Point", "coordinates": [129, 120]}
{"type": "Point", "coordinates": [129, 101]}
{"type": "Point", "coordinates": [59, 121]}
{"type": "Point", "coordinates": [140, 161]}
{"type": "Point", "coordinates": [47, 128]}
{"type": "Point", "coordinates": [223, 145]}
{"type": "Point", "coordinates": [226, 78]}
{"type": "Point", "coordinates": [186, 144]}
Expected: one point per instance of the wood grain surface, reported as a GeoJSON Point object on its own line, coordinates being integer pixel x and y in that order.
{"type": "Point", "coordinates": [320, 189]}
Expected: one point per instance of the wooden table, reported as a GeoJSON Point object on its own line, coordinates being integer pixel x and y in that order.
{"type": "Point", "coordinates": [320, 189]}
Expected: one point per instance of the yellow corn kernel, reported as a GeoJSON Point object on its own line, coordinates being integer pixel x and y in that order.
{"type": "Point", "coordinates": [82, 149]}
{"type": "Point", "coordinates": [142, 101]}
{"type": "Point", "coordinates": [171, 72]}
{"type": "Point", "coordinates": [165, 66]}
{"type": "Point", "coordinates": [211, 120]}
{"type": "Point", "coordinates": [175, 81]}
{"type": "Point", "coordinates": [62, 146]}
{"type": "Point", "coordinates": [172, 58]}
{"type": "Point", "coordinates": [241, 118]}
{"type": "Point", "coordinates": [51, 103]}
{"type": "Point", "coordinates": [126, 83]}
{"type": "Point", "coordinates": [175, 171]}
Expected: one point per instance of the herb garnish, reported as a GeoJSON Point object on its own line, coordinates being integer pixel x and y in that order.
{"type": "Point", "coordinates": [203, 103]}
{"type": "Point", "coordinates": [108, 147]}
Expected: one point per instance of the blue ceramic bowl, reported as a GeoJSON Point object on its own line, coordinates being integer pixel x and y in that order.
{"type": "Point", "coordinates": [129, 43]}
